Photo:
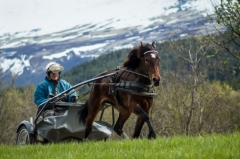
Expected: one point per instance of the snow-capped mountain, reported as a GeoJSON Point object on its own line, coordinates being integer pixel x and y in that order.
{"type": "Point", "coordinates": [34, 33]}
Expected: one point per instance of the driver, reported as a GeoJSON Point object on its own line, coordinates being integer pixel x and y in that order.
{"type": "Point", "coordinates": [52, 85]}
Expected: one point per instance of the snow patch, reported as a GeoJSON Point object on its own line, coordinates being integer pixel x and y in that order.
{"type": "Point", "coordinates": [76, 51]}
{"type": "Point", "coordinates": [15, 66]}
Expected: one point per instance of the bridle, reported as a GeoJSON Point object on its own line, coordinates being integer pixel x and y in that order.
{"type": "Point", "coordinates": [143, 62]}
{"type": "Point", "coordinates": [120, 70]}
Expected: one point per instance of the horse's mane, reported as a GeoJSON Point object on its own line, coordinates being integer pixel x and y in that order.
{"type": "Point", "coordinates": [134, 57]}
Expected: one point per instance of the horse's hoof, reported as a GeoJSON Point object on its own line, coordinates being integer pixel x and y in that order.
{"type": "Point", "coordinates": [85, 139]}
{"type": "Point", "coordinates": [124, 136]}
{"type": "Point", "coordinates": [152, 135]}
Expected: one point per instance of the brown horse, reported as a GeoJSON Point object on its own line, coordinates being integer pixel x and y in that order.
{"type": "Point", "coordinates": [130, 91]}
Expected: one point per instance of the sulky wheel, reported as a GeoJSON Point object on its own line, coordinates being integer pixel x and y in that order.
{"type": "Point", "coordinates": [23, 137]}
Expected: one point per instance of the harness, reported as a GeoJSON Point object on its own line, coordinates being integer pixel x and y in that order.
{"type": "Point", "coordinates": [135, 88]}
{"type": "Point", "coordinates": [131, 87]}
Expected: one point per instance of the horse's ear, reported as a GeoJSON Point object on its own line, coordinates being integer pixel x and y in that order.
{"type": "Point", "coordinates": [154, 45]}
{"type": "Point", "coordinates": [138, 52]}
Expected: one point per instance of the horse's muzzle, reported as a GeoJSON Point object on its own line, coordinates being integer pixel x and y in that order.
{"type": "Point", "coordinates": [156, 81]}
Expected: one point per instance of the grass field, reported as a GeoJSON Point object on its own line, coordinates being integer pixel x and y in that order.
{"type": "Point", "coordinates": [179, 147]}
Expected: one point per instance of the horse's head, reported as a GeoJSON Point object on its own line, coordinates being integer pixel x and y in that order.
{"type": "Point", "coordinates": [146, 55]}
{"type": "Point", "coordinates": [151, 62]}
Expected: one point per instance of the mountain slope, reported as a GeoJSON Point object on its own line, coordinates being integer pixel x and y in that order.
{"type": "Point", "coordinates": [97, 28]}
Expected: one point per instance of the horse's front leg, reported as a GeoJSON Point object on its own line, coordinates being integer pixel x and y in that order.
{"type": "Point", "coordinates": [138, 127]}
{"type": "Point", "coordinates": [141, 113]}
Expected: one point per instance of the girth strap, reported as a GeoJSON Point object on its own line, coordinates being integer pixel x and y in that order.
{"type": "Point", "coordinates": [134, 88]}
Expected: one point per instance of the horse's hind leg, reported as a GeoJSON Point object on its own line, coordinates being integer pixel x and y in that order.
{"type": "Point", "coordinates": [140, 112]}
{"type": "Point", "coordinates": [89, 123]}
{"type": "Point", "coordinates": [93, 109]}
{"type": "Point", "coordinates": [120, 123]}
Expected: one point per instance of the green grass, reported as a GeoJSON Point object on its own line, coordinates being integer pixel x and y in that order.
{"type": "Point", "coordinates": [178, 147]}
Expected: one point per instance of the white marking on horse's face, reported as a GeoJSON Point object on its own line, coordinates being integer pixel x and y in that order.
{"type": "Point", "coordinates": [153, 55]}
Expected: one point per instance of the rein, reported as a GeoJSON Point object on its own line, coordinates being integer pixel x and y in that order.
{"type": "Point", "coordinates": [146, 70]}
{"type": "Point", "coordinates": [137, 74]}
{"type": "Point", "coordinates": [119, 68]}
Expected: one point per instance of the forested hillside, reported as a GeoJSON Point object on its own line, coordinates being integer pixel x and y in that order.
{"type": "Point", "coordinates": [88, 70]}
{"type": "Point", "coordinates": [219, 67]}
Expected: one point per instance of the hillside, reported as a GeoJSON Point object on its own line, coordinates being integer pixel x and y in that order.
{"type": "Point", "coordinates": [169, 61]}
{"type": "Point", "coordinates": [49, 33]}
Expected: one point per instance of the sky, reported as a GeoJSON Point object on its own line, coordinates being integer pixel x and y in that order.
{"type": "Point", "coordinates": [56, 15]}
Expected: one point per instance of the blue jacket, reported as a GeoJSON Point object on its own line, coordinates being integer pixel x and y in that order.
{"type": "Point", "coordinates": [46, 89]}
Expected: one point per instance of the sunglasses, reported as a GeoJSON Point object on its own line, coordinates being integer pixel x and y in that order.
{"type": "Point", "coordinates": [55, 72]}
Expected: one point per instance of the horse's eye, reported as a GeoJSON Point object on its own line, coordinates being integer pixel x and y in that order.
{"type": "Point", "coordinates": [146, 60]}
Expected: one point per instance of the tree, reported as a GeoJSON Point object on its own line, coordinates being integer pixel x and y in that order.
{"type": "Point", "coordinates": [189, 104]}
{"type": "Point", "coordinates": [16, 104]}
{"type": "Point", "coordinates": [228, 18]}
{"type": "Point", "coordinates": [192, 51]}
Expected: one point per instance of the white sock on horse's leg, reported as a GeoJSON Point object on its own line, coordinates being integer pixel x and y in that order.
{"type": "Point", "coordinates": [124, 136]}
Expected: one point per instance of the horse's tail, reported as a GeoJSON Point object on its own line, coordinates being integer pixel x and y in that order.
{"type": "Point", "coordinates": [83, 112]}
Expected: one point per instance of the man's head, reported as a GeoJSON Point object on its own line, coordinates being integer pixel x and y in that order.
{"type": "Point", "coordinates": [53, 70]}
